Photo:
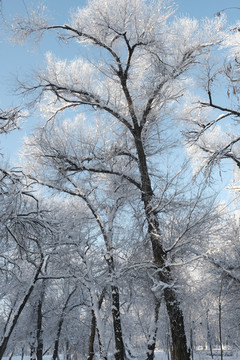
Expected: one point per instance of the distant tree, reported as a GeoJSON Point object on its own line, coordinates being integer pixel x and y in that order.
{"type": "Point", "coordinates": [22, 225]}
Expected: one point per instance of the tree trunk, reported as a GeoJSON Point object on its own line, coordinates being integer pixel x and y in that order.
{"type": "Point", "coordinates": [32, 352]}
{"type": "Point", "coordinates": [39, 351]}
{"type": "Point", "coordinates": [191, 343]}
{"type": "Point", "coordinates": [220, 319]}
{"type": "Point", "coordinates": [119, 345]}
{"type": "Point", "coordinates": [60, 324]}
{"type": "Point", "coordinates": [14, 321]}
{"type": "Point", "coordinates": [56, 343]}
{"type": "Point", "coordinates": [91, 340]}
{"type": "Point", "coordinates": [68, 352]}
{"type": "Point", "coordinates": [153, 333]}
{"type": "Point", "coordinates": [22, 353]}
{"type": "Point", "coordinates": [99, 329]}
{"type": "Point", "coordinates": [209, 336]}
{"type": "Point", "coordinates": [179, 341]}
{"type": "Point", "coordinates": [119, 353]}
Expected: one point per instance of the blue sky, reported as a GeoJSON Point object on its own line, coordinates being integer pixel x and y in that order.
{"type": "Point", "coordinates": [18, 60]}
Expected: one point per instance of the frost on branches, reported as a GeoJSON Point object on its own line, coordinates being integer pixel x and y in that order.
{"type": "Point", "coordinates": [127, 213]}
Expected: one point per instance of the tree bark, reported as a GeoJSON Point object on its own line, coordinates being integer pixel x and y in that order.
{"type": "Point", "coordinates": [153, 333]}
{"type": "Point", "coordinates": [179, 341]}
{"type": "Point", "coordinates": [39, 351]}
{"type": "Point", "coordinates": [56, 343]}
{"type": "Point", "coordinates": [119, 353]}
{"type": "Point", "coordinates": [180, 350]}
{"type": "Point", "coordinates": [98, 327]}
{"type": "Point", "coordinates": [119, 345]}
{"type": "Point", "coordinates": [91, 340]}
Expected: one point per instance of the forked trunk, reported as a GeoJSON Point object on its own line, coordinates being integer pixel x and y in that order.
{"type": "Point", "coordinates": [92, 335]}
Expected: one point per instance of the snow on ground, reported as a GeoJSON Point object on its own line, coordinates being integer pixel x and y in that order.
{"type": "Point", "coordinates": [159, 355]}
{"type": "Point", "coordinates": [201, 355]}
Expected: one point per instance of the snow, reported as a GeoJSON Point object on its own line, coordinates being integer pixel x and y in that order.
{"type": "Point", "coordinates": [159, 355]}
{"type": "Point", "coordinates": [199, 355]}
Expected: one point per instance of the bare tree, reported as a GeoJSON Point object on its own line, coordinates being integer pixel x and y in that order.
{"type": "Point", "coordinates": [143, 60]}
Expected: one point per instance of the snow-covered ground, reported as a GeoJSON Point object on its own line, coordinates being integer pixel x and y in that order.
{"type": "Point", "coordinates": [201, 355]}
{"type": "Point", "coordinates": [159, 355]}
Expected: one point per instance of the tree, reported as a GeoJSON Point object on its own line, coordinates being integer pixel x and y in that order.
{"type": "Point", "coordinates": [144, 58]}
{"type": "Point", "coordinates": [211, 122]}
{"type": "Point", "coordinates": [18, 215]}
{"type": "Point", "coordinates": [22, 253]}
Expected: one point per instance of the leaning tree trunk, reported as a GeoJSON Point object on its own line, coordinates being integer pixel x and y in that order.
{"type": "Point", "coordinates": [179, 340]}
{"type": "Point", "coordinates": [18, 312]}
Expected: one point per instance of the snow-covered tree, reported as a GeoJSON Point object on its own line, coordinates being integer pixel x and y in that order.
{"type": "Point", "coordinates": [211, 131]}
{"type": "Point", "coordinates": [138, 65]}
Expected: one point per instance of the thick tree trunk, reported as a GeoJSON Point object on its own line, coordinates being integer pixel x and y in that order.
{"type": "Point", "coordinates": [179, 341]}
